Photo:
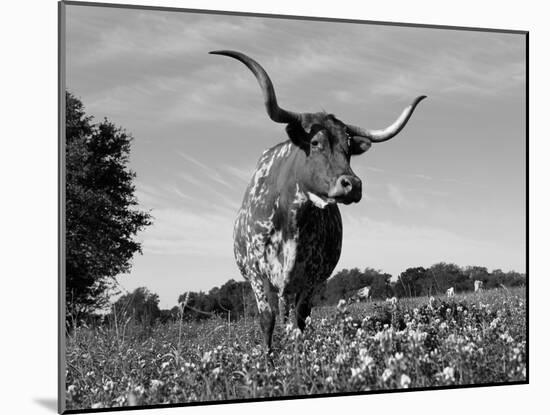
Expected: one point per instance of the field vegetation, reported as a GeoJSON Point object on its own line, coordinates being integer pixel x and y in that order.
{"type": "Point", "coordinates": [474, 338]}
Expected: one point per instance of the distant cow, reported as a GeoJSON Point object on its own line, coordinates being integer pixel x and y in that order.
{"type": "Point", "coordinates": [451, 292]}
{"type": "Point", "coordinates": [392, 301]}
{"type": "Point", "coordinates": [363, 294]}
{"type": "Point", "coordinates": [478, 285]}
{"type": "Point", "coordinates": [288, 232]}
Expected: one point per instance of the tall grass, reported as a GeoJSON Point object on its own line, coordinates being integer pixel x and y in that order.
{"type": "Point", "coordinates": [470, 339]}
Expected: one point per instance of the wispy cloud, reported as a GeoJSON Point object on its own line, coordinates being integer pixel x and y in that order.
{"type": "Point", "coordinates": [422, 176]}
{"type": "Point", "coordinates": [243, 174]}
{"type": "Point", "coordinates": [182, 231]}
{"type": "Point", "coordinates": [399, 198]}
{"type": "Point", "coordinates": [209, 172]}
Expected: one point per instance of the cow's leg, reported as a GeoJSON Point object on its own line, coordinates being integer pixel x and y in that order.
{"type": "Point", "coordinates": [266, 310]}
{"type": "Point", "coordinates": [284, 309]}
{"type": "Point", "coordinates": [267, 323]}
{"type": "Point", "coordinates": [303, 310]}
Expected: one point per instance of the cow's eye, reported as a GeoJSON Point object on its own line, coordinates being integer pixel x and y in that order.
{"type": "Point", "coordinates": [315, 143]}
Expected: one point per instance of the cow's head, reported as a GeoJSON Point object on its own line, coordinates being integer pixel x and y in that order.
{"type": "Point", "coordinates": [327, 142]}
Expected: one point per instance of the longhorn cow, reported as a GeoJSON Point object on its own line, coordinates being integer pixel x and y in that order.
{"type": "Point", "coordinates": [478, 285]}
{"type": "Point", "coordinates": [451, 292]}
{"type": "Point", "coordinates": [288, 232]}
{"type": "Point", "coordinates": [362, 294]}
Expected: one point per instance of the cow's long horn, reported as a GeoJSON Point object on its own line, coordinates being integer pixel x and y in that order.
{"type": "Point", "coordinates": [378, 136]}
{"type": "Point", "coordinates": [275, 112]}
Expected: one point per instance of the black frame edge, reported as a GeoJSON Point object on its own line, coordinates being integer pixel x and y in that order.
{"type": "Point", "coordinates": [61, 360]}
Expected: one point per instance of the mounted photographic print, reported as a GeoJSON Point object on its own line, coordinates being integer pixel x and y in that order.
{"type": "Point", "coordinates": [260, 207]}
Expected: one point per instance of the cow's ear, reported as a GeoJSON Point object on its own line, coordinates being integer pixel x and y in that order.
{"type": "Point", "coordinates": [358, 145]}
{"type": "Point", "coordinates": [297, 134]}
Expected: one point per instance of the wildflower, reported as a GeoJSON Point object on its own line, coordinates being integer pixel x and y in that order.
{"type": "Point", "coordinates": [341, 306]}
{"type": "Point", "coordinates": [387, 374]}
{"type": "Point", "coordinates": [90, 374]}
{"type": "Point", "coordinates": [449, 373]}
{"type": "Point", "coordinates": [71, 390]}
{"type": "Point", "coordinates": [120, 400]}
{"type": "Point", "coordinates": [207, 357]}
{"type": "Point", "coordinates": [296, 333]}
{"type": "Point", "coordinates": [469, 348]}
{"type": "Point", "coordinates": [164, 365]}
{"type": "Point", "coordinates": [363, 353]}
{"type": "Point", "coordinates": [341, 358]}
{"type": "Point", "coordinates": [216, 371]}
{"type": "Point", "coordinates": [139, 390]}
{"type": "Point", "coordinates": [385, 337]}
{"type": "Point", "coordinates": [308, 321]}
{"type": "Point", "coordinates": [108, 386]}
{"type": "Point", "coordinates": [405, 381]}
{"type": "Point", "coordinates": [155, 384]}
{"type": "Point", "coordinates": [355, 372]}
{"type": "Point", "coordinates": [366, 361]}
{"type": "Point", "coordinates": [329, 380]}
{"type": "Point", "coordinates": [288, 328]}
{"type": "Point", "coordinates": [417, 337]}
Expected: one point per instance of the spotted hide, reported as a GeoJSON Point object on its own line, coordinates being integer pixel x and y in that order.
{"type": "Point", "coordinates": [288, 233]}
{"type": "Point", "coordinates": [285, 245]}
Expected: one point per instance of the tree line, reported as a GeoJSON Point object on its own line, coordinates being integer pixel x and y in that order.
{"type": "Point", "coordinates": [414, 282]}
{"type": "Point", "coordinates": [235, 299]}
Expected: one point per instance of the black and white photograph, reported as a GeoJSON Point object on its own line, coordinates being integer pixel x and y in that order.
{"type": "Point", "coordinates": [262, 207]}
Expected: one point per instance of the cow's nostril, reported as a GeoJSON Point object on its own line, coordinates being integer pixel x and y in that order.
{"type": "Point", "coordinates": [345, 183]}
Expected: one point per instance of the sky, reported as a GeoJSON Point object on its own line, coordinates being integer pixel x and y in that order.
{"type": "Point", "coordinates": [450, 187]}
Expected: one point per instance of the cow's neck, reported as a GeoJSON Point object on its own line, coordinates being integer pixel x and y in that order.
{"type": "Point", "coordinates": [292, 201]}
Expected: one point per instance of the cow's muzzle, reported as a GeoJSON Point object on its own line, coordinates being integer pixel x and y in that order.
{"type": "Point", "coordinates": [347, 189]}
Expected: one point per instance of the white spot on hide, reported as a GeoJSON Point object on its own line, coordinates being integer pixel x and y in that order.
{"type": "Point", "coordinates": [317, 201]}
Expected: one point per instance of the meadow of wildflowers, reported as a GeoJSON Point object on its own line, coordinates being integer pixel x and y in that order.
{"type": "Point", "coordinates": [471, 339]}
